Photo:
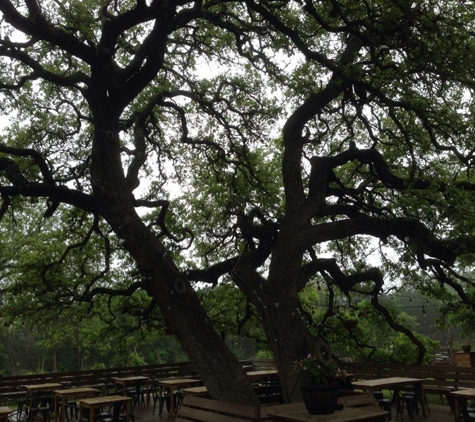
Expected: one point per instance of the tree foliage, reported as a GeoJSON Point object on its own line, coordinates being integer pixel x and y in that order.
{"type": "Point", "coordinates": [275, 143]}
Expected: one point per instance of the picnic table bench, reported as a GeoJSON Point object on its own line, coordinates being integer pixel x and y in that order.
{"type": "Point", "coordinates": [199, 409]}
{"type": "Point", "coordinates": [261, 364]}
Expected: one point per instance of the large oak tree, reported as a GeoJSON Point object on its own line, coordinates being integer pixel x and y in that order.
{"type": "Point", "coordinates": [273, 142]}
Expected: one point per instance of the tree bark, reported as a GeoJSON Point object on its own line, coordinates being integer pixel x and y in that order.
{"type": "Point", "coordinates": [219, 369]}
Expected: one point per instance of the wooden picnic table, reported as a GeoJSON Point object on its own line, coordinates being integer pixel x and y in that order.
{"type": "Point", "coordinates": [51, 386]}
{"type": "Point", "coordinates": [62, 396]}
{"type": "Point", "coordinates": [96, 403]}
{"type": "Point", "coordinates": [171, 383]}
{"type": "Point", "coordinates": [200, 390]}
{"type": "Point", "coordinates": [5, 413]}
{"type": "Point", "coordinates": [132, 381]}
{"type": "Point", "coordinates": [31, 389]}
{"type": "Point", "coordinates": [468, 393]}
{"type": "Point", "coordinates": [394, 383]}
{"type": "Point", "coordinates": [266, 374]}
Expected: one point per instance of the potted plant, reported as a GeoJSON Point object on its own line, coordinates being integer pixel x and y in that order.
{"type": "Point", "coordinates": [349, 323]}
{"type": "Point", "coordinates": [349, 320]}
{"type": "Point", "coordinates": [319, 384]}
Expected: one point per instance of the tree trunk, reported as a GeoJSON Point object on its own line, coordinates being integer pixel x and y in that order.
{"type": "Point", "coordinates": [277, 302]}
{"type": "Point", "coordinates": [289, 338]}
{"type": "Point", "coordinates": [55, 366]}
{"type": "Point", "coordinates": [219, 369]}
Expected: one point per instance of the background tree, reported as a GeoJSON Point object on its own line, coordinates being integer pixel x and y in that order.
{"type": "Point", "coordinates": [380, 106]}
{"type": "Point", "coordinates": [374, 157]}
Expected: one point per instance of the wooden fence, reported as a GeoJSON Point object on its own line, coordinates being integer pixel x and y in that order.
{"type": "Point", "coordinates": [10, 387]}
{"type": "Point", "coordinates": [438, 379]}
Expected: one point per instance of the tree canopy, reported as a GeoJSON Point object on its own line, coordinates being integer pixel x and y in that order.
{"type": "Point", "coordinates": [152, 145]}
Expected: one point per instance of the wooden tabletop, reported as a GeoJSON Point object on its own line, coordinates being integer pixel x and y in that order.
{"type": "Point", "coordinates": [378, 383]}
{"type": "Point", "coordinates": [466, 392]}
{"type": "Point", "coordinates": [47, 386]}
{"type": "Point", "coordinates": [71, 392]}
{"type": "Point", "coordinates": [177, 382]}
{"type": "Point", "coordinates": [197, 391]}
{"type": "Point", "coordinates": [5, 410]}
{"type": "Point", "coordinates": [96, 401]}
{"type": "Point", "coordinates": [349, 414]}
{"type": "Point", "coordinates": [262, 374]}
{"type": "Point", "coordinates": [133, 378]}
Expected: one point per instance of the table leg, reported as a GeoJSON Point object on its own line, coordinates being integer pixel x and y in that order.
{"type": "Point", "coordinates": [456, 409]}
{"type": "Point", "coordinates": [148, 393]}
{"type": "Point", "coordinates": [172, 401]}
{"type": "Point", "coordinates": [425, 406]}
{"type": "Point", "coordinates": [397, 398]}
{"type": "Point", "coordinates": [63, 409]}
{"type": "Point", "coordinates": [55, 408]}
{"type": "Point", "coordinates": [30, 406]}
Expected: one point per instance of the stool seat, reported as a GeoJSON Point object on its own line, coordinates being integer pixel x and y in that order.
{"type": "Point", "coordinates": [385, 404]}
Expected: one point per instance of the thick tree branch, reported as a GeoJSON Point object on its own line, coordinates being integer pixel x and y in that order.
{"type": "Point", "coordinates": [398, 327]}
{"type": "Point", "coordinates": [37, 27]}
{"type": "Point", "coordinates": [414, 232]}
{"type": "Point", "coordinates": [21, 185]}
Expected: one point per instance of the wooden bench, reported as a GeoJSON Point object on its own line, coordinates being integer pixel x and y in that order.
{"type": "Point", "coordinates": [260, 364]}
{"type": "Point", "coordinates": [438, 379]}
{"type": "Point", "coordinates": [346, 398]}
{"type": "Point", "coordinates": [199, 409]}
{"type": "Point", "coordinates": [269, 394]}
{"type": "Point", "coordinates": [356, 399]}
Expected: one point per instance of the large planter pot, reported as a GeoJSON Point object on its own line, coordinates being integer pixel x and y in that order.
{"type": "Point", "coordinates": [320, 399]}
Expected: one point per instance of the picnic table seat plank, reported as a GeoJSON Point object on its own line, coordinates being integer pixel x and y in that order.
{"type": "Point", "coordinates": [199, 409]}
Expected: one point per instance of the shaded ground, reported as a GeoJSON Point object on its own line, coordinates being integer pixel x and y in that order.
{"type": "Point", "coordinates": [438, 413]}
